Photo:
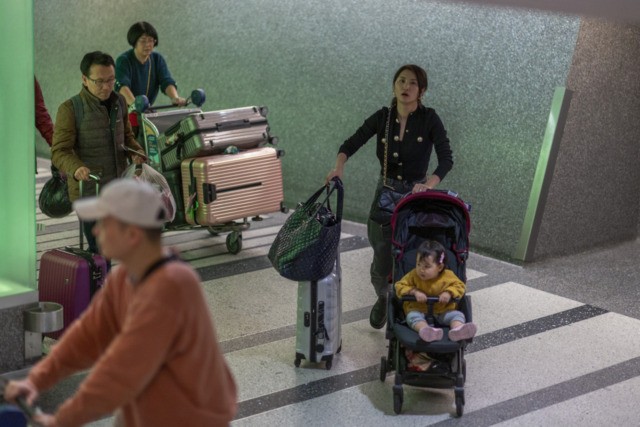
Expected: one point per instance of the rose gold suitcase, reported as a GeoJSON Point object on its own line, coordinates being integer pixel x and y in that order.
{"type": "Point", "coordinates": [225, 187]}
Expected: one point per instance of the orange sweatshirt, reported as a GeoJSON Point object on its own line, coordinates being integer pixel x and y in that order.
{"type": "Point", "coordinates": [153, 354]}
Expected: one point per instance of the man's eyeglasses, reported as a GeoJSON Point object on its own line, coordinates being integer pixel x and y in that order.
{"type": "Point", "coordinates": [102, 83]}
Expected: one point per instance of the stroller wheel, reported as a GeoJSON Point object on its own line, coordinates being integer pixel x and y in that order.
{"type": "Point", "coordinates": [397, 398]}
{"type": "Point", "coordinates": [459, 406]}
{"type": "Point", "coordinates": [383, 368]}
{"type": "Point", "coordinates": [459, 402]}
{"type": "Point", "coordinates": [464, 371]}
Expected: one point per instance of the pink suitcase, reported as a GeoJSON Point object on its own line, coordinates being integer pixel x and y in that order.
{"type": "Point", "coordinates": [225, 187]}
{"type": "Point", "coordinates": [70, 277]}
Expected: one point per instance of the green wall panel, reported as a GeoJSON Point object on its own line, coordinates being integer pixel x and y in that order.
{"type": "Point", "coordinates": [17, 184]}
{"type": "Point", "coordinates": [323, 67]}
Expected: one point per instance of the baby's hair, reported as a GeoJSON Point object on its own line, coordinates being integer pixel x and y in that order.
{"type": "Point", "coordinates": [432, 249]}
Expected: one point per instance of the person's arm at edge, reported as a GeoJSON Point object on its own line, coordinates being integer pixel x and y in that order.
{"type": "Point", "coordinates": [43, 119]}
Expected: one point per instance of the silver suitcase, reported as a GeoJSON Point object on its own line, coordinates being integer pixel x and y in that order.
{"type": "Point", "coordinates": [319, 319]}
{"type": "Point", "coordinates": [209, 133]}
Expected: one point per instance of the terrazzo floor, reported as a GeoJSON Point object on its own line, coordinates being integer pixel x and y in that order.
{"type": "Point", "coordinates": [558, 341]}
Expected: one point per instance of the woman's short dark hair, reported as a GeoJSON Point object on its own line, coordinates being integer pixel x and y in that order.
{"type": "Point", "coordinates": [421, 75]}
{"type": "Point", "coordinates": [95, 58]}
{"type": "Point", "coordinates": [140, 28]}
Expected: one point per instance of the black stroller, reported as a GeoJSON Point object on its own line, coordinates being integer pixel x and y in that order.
{"type": "Point", "coordinates": [435, 215]}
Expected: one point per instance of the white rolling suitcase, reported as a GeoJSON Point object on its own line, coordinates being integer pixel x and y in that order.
{"type": "Point", "coordinates": [319, 318]}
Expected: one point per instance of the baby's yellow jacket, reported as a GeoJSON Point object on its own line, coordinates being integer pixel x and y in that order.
{"type": "Point", "coordinates": [446, 281]}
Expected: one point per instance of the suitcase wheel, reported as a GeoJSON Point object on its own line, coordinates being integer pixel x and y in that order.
{"type": "Point", "coordinates": [328, 363]}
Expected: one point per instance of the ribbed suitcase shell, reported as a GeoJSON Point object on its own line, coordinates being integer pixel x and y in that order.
{"type": "Point", "coordinates": [233, 186]}
{"type": "Point", "coordinates": [319, 318]}
{"type": "Point", "coordinates": [212, 132]}
{"type": "Point", "coordinates": [64, 278]}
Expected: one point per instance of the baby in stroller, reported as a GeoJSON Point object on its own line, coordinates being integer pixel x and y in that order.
{"type": "Point", "coordinates": [427, 349]}
{"type": "Point", "coordinates": [430, 277]}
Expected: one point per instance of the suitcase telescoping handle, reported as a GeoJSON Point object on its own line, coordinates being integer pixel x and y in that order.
{"type": "Point", "coordinates": [96, 179]}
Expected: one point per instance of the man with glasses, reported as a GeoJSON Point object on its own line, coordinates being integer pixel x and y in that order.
{"type": "Point", "coordinates": [91, 132]}
{"type": "Point", "coordinates": [142, 71]}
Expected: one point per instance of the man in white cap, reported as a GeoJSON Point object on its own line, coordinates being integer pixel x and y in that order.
{"type": "Point", "coordinates": [147, 336]}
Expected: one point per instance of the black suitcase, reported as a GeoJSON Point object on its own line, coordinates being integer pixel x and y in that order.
{"type": "Point", "coordinates": [174, 179]}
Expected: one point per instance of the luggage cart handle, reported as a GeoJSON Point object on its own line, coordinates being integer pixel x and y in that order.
{"type": "Point", "coordinates": [197, 98]}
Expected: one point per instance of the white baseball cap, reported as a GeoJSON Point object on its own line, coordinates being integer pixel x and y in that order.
{"type": "Point", "coordinates": [130, 200]}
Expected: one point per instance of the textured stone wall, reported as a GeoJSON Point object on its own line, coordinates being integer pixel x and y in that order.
{"type": "Point", "coordinates": [593, 199]}
{"type": "Point", "coordinates": [323, 67]}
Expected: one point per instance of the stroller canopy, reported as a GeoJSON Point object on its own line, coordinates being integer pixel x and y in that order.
{"type": "Point", "coordinates": [438, 215]}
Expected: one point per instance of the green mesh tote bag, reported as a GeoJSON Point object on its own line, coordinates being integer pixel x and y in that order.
{"type": "Point", "coordinates": [306, 246]}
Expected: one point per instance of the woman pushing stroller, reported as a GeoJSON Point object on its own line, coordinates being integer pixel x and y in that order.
{"type": "Point", "coordinates": [430, 277]}
{"type": "Point", "coordinates": [406, 134]}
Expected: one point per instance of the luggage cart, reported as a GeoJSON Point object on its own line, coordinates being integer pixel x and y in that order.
{"type": "Point", "coordinates": [157, 119]}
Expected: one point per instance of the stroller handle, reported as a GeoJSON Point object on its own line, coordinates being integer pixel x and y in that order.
{"type": "Point", "coordinates": [430, 300]}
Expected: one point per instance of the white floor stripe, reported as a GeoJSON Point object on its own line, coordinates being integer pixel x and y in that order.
{"type": "Point", "coordinates": [616, 405]}
{"type": "Point", "coordinates": [510, 303]}
{"type": "Point", "coordinates": [529, 364]}
{"type": "Point", "coordinates": [494, 375]}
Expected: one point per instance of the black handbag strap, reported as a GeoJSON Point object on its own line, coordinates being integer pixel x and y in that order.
{"type": "Point", "coordinates": [95, 273]}
{"type": "Point", "coordinates": [162, 261]}
{"type": "Point", "coordinates": [335, 184]}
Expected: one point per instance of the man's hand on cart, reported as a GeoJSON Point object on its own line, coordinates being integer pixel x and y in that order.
{"type": "Point", "coordinates": [137, 157]}
{"type": "Point", "coordinates": [138, 160]}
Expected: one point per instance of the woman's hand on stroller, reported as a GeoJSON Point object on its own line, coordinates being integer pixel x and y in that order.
{"type": "Point", "coordinates": [419, 188]}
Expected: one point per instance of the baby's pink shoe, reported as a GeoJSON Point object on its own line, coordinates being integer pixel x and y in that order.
{"type": "Point", "coordinates": [463, 332]}
{"type": "Point", "coordinates": [429, 334]}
